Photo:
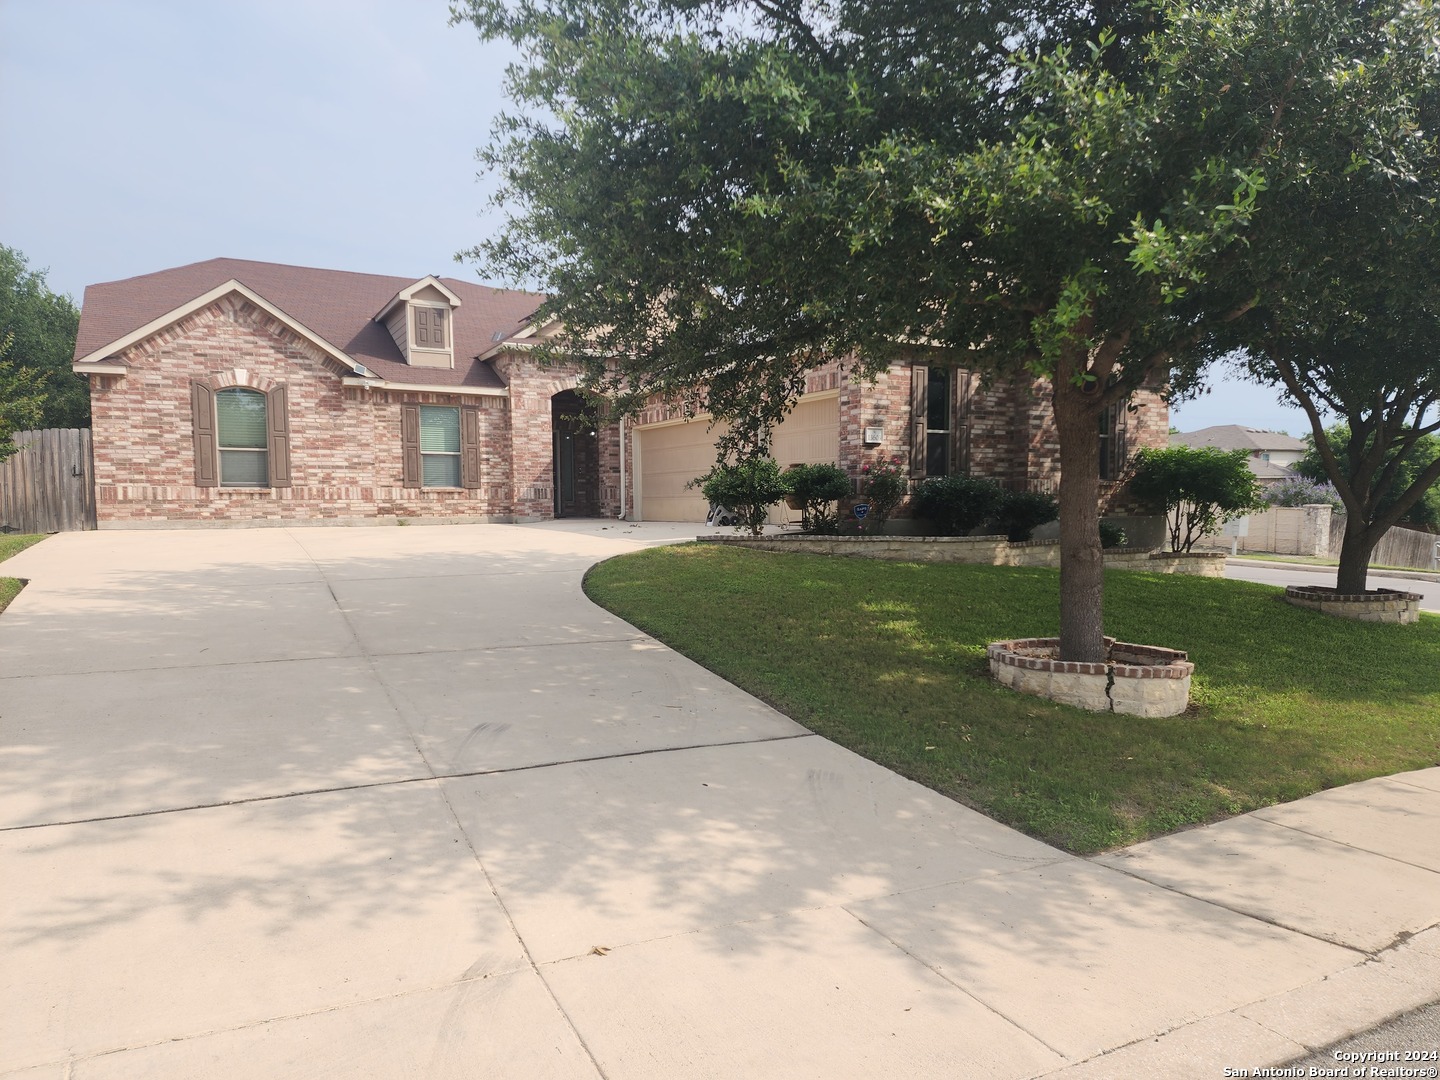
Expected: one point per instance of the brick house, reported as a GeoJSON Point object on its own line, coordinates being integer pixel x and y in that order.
{"type": "Point", "coordinates": [237, 391]}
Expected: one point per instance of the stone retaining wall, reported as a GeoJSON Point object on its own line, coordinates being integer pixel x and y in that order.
{"type": "Point", "coordinates": [1380, 605]}
{"type": "Point", "coordinates": [984, 550]}
{"type": "Point", "coordinates": [1138, 680]}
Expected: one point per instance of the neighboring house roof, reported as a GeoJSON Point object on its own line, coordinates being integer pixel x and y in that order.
{"type": "Point", "coordinates": [1268, 470]}
{"type": "Point", "coordinates": [336, 306]}
{"type": "Point", "coordinates": [1238, 437]}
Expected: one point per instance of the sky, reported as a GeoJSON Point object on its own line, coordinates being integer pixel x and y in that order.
{"type": "Point", "coordinates": [139, 135]}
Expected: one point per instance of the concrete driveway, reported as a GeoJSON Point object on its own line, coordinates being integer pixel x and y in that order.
{"type": "Point", "coordinates": [403, 803]}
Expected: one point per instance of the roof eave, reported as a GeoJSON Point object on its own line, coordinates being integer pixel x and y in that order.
{"type": "Point", "coordinates": [100, 368]}
{"type": "Point", "coordinates": [204, 300]}
{"type": "Point", "coordinates": [374, 383]}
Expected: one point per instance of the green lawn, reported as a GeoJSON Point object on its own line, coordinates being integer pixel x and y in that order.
{"type": "Point", "coordinates": [889, 660]}
{"type": "Point", "coordinates": [13, 544]}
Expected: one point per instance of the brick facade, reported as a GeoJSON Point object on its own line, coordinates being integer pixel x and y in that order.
{"type": "Point", "coordinates": [346, 455]}
{"type": "Point", "coordinates": [1007, 429]}
{"type": "Point", "coordinates": [346, 452]}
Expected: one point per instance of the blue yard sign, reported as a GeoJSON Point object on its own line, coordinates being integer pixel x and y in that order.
{"type": "Point", "coordinates": [861, 509]}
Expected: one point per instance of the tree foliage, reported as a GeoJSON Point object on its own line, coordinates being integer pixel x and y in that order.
{"type": "Point", "coordinates": [1353, 327]}
{"type": "Point", "coordinates": [1197, 488]}
{"type": "Point", "coordinates": [22, 398]}
{"type": "Point", "coordinates": [42, 326]}
{"type": "Point", "coordinates": [720, 195]}
{"type": "Point", "coordinates": [1410, 469]}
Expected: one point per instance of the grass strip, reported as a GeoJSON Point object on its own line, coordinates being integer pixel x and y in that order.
{"type": "Point", "coordinates": [13, 544]}
{"type": "Point", "coordinates": [888, 659]}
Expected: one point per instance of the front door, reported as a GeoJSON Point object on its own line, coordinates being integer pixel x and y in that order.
{"type": "Point", "coordinates": [564, 473]}
{"type": "Point", "coordinates": [575, 454]}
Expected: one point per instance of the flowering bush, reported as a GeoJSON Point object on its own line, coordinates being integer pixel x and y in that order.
{"type": "Point", "coordinates": [883, 485]}
{"type": "Point", "coordinates": [1302, 491]}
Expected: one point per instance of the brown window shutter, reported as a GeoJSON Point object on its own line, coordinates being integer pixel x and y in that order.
{"type": "Point", "coordinates": [470, 448]}
{"type": "Point", "coordinates": [423, 337]}
{"type": "Point", "coordinates": [1122, 438]}
{"type": "Point", "coordinates": [277, 419]}
{"type": "Point", "coordinates": [960, 423]}
{"type": "Point", "coordinates": [202, 416]}
{"type": "Point", "coordinates": [437, 328]}
{"type": "Point", "coordinates": [919, 385]}
{"type": "Point", "coordinates": [410, 445]}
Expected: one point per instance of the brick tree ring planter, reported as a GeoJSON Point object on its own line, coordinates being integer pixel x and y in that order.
{"type": "Point", "coordinates": [1373, 605]}
{"type": "Point", "coordinates": [1138, 680]}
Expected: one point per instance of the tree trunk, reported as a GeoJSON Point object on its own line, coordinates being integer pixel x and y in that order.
{"type": "Point", "coordinates": [1355, 550]}
{"type": "Point", "coordinates": [1082, 563]}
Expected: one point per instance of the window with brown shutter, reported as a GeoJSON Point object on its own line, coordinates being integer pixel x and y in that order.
{"type": "Point", "coordinates": [410, 445]}
{"type": "Point", "coordinates": [202, 417]}
{"type": "Point", "coordinates": [919, 380]}
{"type": "Point", "coordinates": [1113, 449]}
{"type": "Point", "coordinates": [470, 448]}
{"type": "Point", "coordinates": [932, 409]}
{"type": "Point", "coordinates": [960, 425]}
{"type": "Point", "coordinates": [241, 435]}
{"type": "Point", "coordinates": [278, 436]}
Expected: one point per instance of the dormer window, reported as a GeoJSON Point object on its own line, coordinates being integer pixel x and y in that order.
{"type": "Point", "coordinates": [419, 320]}
{"type": "Point", "coordinates": [430, 328]}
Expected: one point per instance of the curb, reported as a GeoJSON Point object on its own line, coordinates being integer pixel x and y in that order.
{"type": "Point", "coordinates": [1411, 575]}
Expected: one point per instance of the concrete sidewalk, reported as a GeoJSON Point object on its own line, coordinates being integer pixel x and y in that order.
{"type": "Point", "coordinates": [403, 803]}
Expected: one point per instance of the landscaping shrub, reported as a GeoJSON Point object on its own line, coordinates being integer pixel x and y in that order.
{"type": "Point", "coordinates": [1302, 491]}
{"type": "Point", "coordinates": [956, 505]}
{"type": "Point", "coordinates": [817, 488]}
{"type": "Point", "coordinates": [1022, 512]}
{"type": "Point", "coordinates": [748, 489]}
{"type": "Point", "coordinates": [883, 485]}
{"type": "Point", "coordinates": [1196, 488]}
{"type": "Point", "coordinates": [1112, 535]}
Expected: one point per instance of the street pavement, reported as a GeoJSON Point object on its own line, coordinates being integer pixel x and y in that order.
{"type": "Point", "coordinates": [1279, 573]}
{"type": "Point", "coordinates": [381, 802]}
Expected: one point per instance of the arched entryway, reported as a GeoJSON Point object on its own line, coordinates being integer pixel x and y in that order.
{"type": "Point", "coordinates": [577, 456]}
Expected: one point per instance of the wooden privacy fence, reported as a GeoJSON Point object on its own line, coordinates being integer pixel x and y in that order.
{"type": "Point", "coordinates": [49, 486]}
{"type": "Point", "coordinates": [1398, 547]}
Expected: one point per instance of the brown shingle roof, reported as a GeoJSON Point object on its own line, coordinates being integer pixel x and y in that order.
{"type": "Point", "coordinates": [336, 305]}
{"type": "Point", "coordinates": [1237, 437]}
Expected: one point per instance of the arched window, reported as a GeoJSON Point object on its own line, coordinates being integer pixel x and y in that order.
{"type": "Point", "coordinates": [242, 436]}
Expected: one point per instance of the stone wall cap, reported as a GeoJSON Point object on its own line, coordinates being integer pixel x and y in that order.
{"type": "Point", "coordinates": [1328, 593]}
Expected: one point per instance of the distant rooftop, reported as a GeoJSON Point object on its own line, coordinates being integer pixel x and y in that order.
{"type": "Point", "coordinates": [1238, 437]}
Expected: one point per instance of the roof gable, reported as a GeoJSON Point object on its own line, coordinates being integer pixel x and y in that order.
{"type": "Point", "coordinates": [336, 307]}
{"type": "Point", "coordinates": [204, 300]}
{"type": "Point", "coordinates": [424, 289]}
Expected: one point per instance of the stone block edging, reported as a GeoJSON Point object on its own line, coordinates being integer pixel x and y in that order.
{"type": "Point", "coordinates": [1379, 605]}
{"type": "Point", "coordinates": [979, 550]}
{"type": "Point", "coordinates": [1138, 680]}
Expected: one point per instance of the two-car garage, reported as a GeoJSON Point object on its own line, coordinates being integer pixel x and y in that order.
{"type": "Point", "coordinates": [669, 455]}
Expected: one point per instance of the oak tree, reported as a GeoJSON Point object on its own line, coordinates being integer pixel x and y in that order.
{"type": "Point", "coordinates": [719, 195]}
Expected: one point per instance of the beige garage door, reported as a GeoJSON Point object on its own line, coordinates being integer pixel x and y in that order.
{"type": "Point", "coordinates": [671, 455]}
{"type": "Point", "coordinates": [810, 435]}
